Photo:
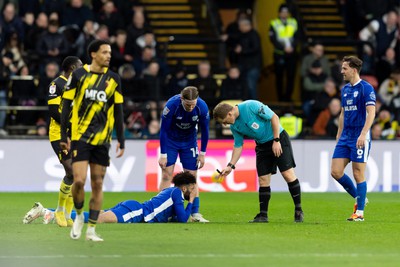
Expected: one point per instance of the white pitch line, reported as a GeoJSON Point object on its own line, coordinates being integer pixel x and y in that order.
{"type": "Point", "coordinates": [209, 255]}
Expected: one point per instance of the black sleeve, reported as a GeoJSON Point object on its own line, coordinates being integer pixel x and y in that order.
{"type": "Point", "coordinates": [66, 110]}
{"type": "Point", "coordinates": [119, 124]}
{"type": "Point", "coordinates": [54, 114]}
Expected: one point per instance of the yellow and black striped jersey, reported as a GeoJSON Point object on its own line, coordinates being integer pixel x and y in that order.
{"type": "Point", "coordinates": [93, 98]}
{"type": "Point", "coordinates": [55, 91]}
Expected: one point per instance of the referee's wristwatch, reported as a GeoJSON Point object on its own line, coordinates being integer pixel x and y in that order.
{"type": "Point", "coordinates": [277, 139]}
{"type": "Point", "coordinates": [231, 165]}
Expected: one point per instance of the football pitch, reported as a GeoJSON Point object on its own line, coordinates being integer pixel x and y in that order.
{"type": "Point", "coordinates": [324, 239]}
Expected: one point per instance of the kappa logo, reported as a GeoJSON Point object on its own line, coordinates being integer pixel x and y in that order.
{"type": "Point", "coordinates": [261, 110]}
{"type": "Point", "coordinates": [255, 126]}
{"type": "Point", "coordinates": [355, 93]}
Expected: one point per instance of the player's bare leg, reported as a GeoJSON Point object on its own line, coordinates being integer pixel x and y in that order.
{"type": "Point", "coordinates": [78, 192]}
{"type": "Point", "coordinates": [166, 177]}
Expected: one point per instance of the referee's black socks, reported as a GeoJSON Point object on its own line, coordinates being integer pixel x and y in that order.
{"type": "Point", "coordinates": [264, 195]}
{"type": "Point", "coordinates": [295, 191]}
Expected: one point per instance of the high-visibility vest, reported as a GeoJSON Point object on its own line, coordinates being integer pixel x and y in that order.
{"type": "Point", "coordinates": [293, 125]}
{"type": "Point", "coordinates": [284, 32]}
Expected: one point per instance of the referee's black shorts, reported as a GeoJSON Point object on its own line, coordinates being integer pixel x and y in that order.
{"type": "Point", "coordinates": [267, 162]}
{"type": "Point", "coordinates": [97, 154]}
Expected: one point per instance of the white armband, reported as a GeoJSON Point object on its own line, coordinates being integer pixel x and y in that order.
{"type": "Point", "coordinates": [202, 153]}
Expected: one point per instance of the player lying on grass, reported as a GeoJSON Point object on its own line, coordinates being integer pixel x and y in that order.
{"type": "Point", "coordinates": [167, 206]}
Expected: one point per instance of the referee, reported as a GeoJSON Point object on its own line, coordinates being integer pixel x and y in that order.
{"type": "Point", "coordinates": [255, 120]}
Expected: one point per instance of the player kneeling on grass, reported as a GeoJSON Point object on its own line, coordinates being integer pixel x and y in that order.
{"type": "Point", "coordinates": [167, 206]}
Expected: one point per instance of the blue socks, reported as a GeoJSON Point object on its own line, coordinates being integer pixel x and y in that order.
{"type": "Point", "coordinates": [196, 205]}
{"type": "Point", "coordinates": [361, 194]}
{"type": "Point", "coordinates": [348, 185]}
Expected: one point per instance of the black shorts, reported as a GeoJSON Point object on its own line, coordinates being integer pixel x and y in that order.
{"type": "Point", "coordinates": [267, 162]}
{"type": "Point", "coordinates": [60, 154]}
{"type": "Point", "coordinates": [81, 151]}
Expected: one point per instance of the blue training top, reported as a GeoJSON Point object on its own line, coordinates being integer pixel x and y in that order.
{"type": "Point", "coordinates": [355, 99]}
{"type": "Point", "coordinates": [254, 121]}
{"type": "Point", "coordinates": [181, 126]}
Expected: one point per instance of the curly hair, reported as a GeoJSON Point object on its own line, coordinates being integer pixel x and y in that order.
{"type": "Point", "coordinates": [183, 178]}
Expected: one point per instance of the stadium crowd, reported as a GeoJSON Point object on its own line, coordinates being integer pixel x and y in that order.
{"type": "Point", "coordinates": [36, 35]}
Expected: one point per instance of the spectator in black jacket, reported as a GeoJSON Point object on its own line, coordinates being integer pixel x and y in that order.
{"type": "Point", "coordinates": [234, 87]}
{"type": "Point", "coordinates": [10, 22]}
{"type": "Point", "coordinates": [76, 13]}
{"type": "Point", "coordinates": [52, 46]}
{"type": "Point", "coordinates": [249, 54]}
{"type": "Point", "coordinates": [206, 84]}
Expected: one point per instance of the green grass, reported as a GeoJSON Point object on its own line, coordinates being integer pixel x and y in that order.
{"type": "Point", "coordinates": [324, 239]}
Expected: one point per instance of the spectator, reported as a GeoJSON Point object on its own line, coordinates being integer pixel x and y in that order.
{"type": "Point", "coordinates": [32, 37]}
{"type": "Point", "coordinates": [249, 54]}
{"type": "Point", "coordinates": [87, 35]}
{"type": "Point", "coordinates": [205, 84]}
{"type": "Point", "coordinates": [232, 35]}
{"type": "Point", "coordinates": [10, 22]}
{"type": "Point", "coordinates": [28, 23]}
{"type": "Point", "coordinates": [317, 53]}
{"type": "Point", "coordinates": [382, 33]}
{"type": "Point", "coordinates": [76, 13]}
{"type": "Point", "coordinates": [322, 99]}
{"type": "Point", "coordinates": [51, 71]}
{"type": "Point", "coordinates": [385, 65]}
{"type": "Point", "coordinates": [52, 46]}
{"type": "Point", "coordinates": [376, 131]}
{"type": "Point", "coordinates": [394, 107]}
{"type": "Point", "coordinates": [137, 28]}
{"type": "Point", "coordinates": [147, 39]}
{"type": "Point", "coordinates": [326, 124]}
{"type": "Point", "coordinates": [128, 8]}
{"type": "Point", "coordinates": [102, 33]}
{"type": "Point", "coordinates": [140, 63]}
{"type": "Point", "coordinates": [119, 53]}
{"type": "Point", "coordinates": [15, 47]}
{"type": "Point", "coordinates": [313, 84]}
{"type": "Point", "coordinates": [152, 131]}
{"type": "Point", "coordinates": [234, 87]}
{"type": "Point", "coordinates": [109, 16]}
{"type": "Point", "coordinates": [178, 80]}
{"type": "Point", "coordinates": [23, 93]}
{"type": "Point", "coordinates": [284, 36]}
{"type": "Point", "coordinates": [390, 87]}
{"type": "Point", "coordinates": [388, 125]}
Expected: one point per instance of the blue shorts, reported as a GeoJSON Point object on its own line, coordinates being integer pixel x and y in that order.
{"type": "Point", "coordinates": [129, 211]}
{"type": "Point", "coordinates": [187, 151]}
{"type": "Point", "coordinates": [347, 148]}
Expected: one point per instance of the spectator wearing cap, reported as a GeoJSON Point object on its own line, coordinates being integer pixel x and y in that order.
{"type": "Point", "coordinates": [283, 33]}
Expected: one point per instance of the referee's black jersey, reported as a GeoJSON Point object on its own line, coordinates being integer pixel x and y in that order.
{"type": "Point", "coordinates": [94, 96]}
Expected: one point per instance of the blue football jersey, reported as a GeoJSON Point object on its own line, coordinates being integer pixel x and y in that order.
{"type": "Point", "coordinates": [179, 125]}
{"type": "Point", "coordinates": [168, 204]}
{"type": "Point", "coordinates": [355, 99]}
